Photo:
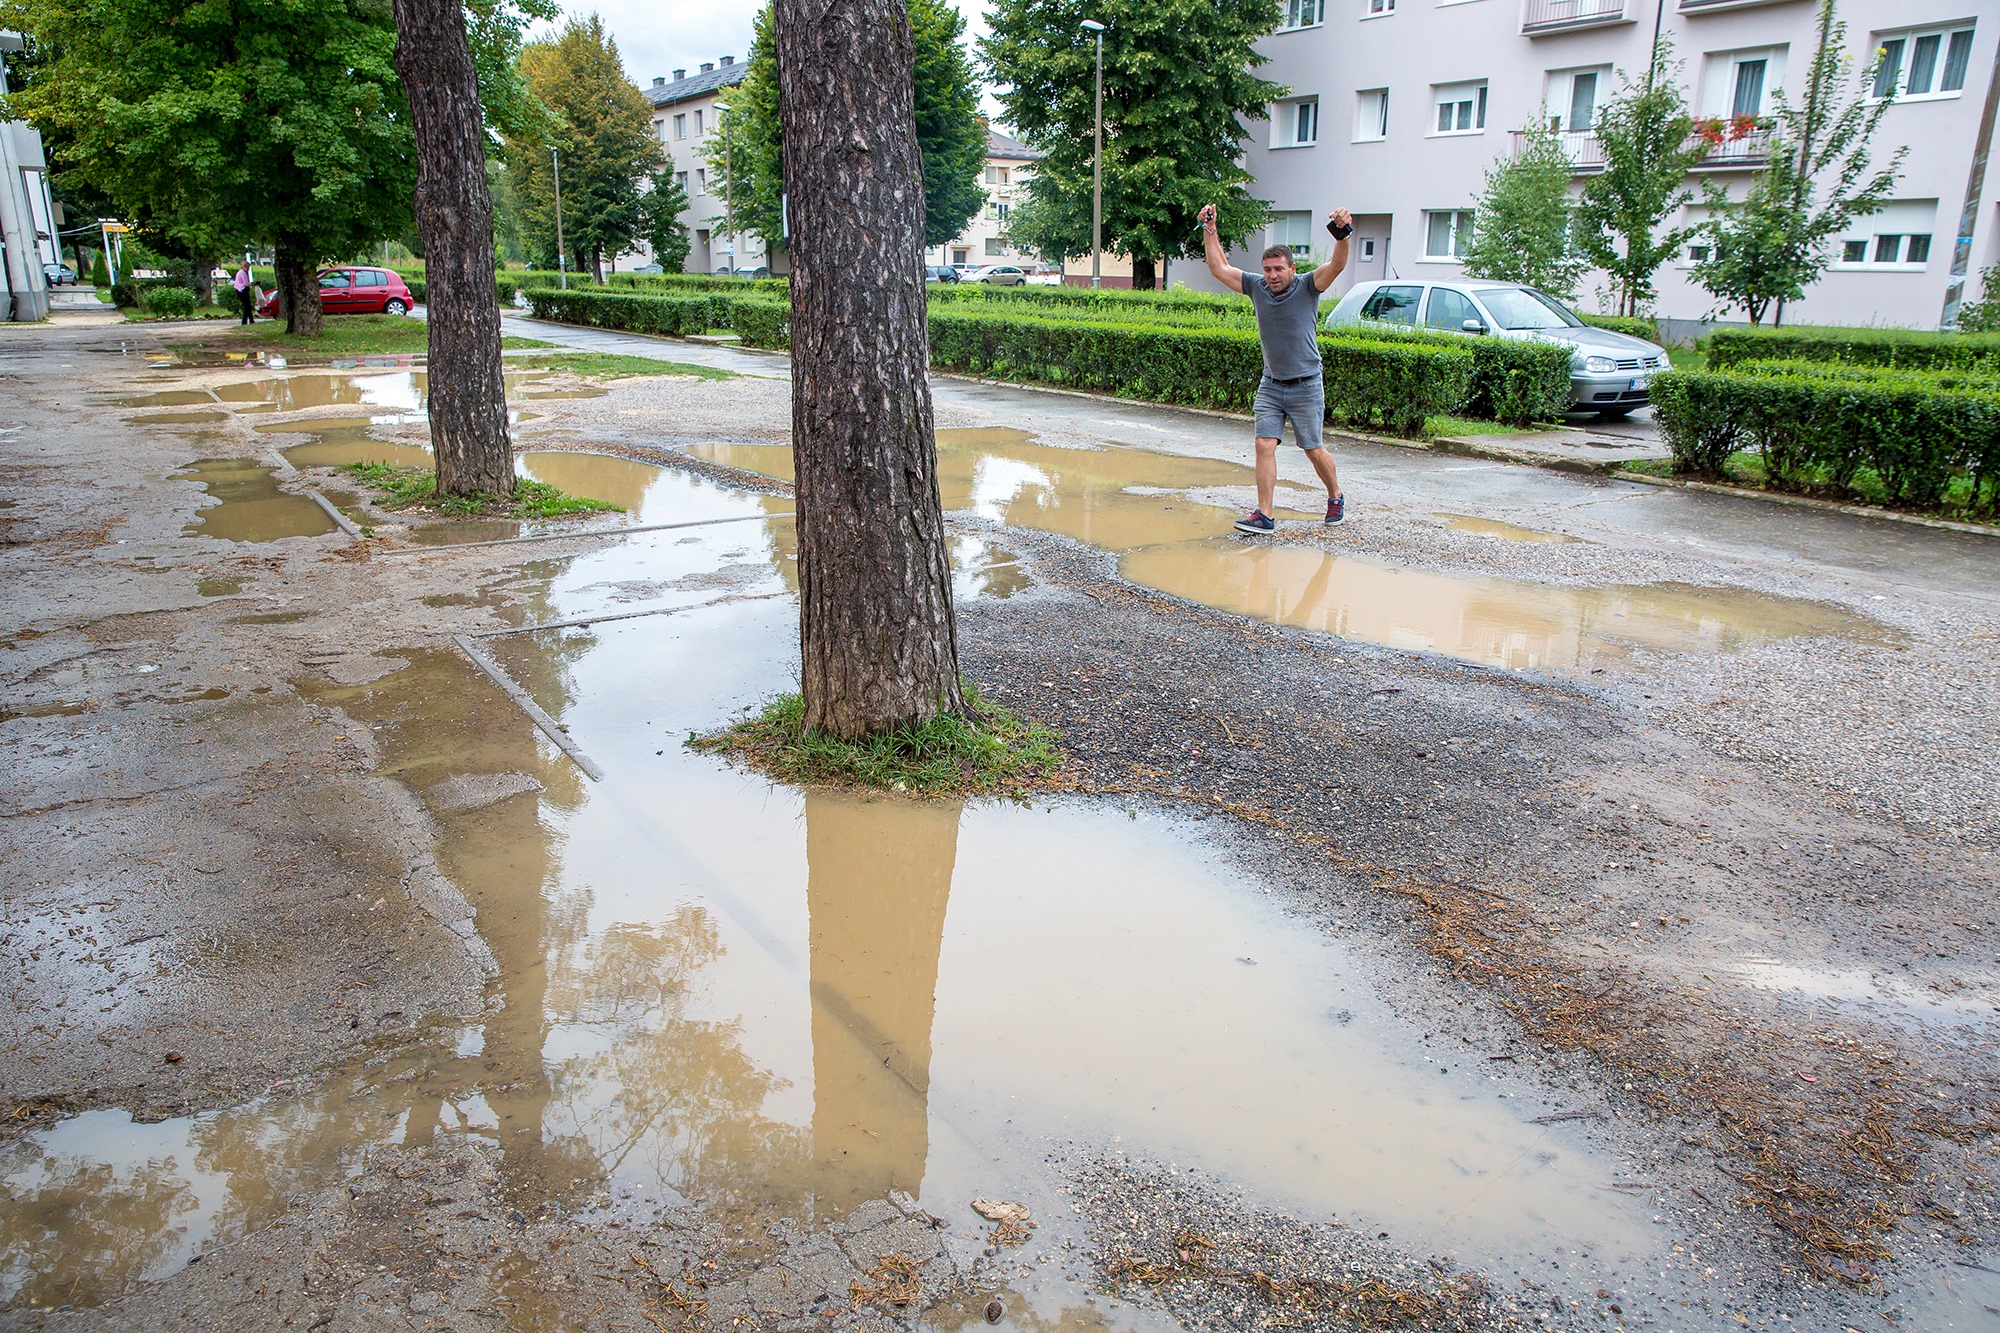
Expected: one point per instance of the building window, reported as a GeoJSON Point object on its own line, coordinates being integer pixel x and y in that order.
{"type": "Point", "coordinates": [1899, 236]}
{"type": "Point", "coordinates": [992, 175]}
{"type": "Point", "coordinates": [1294, 229]}
{"type": "Point", "coordinates": [1447, 233]}
{"type": "Point", "coordinates": [1371, 115]}
{"type": "Point", "coordinates": [1303, 14]}
{"type": "Point", "coordinates": [1461, 108]}
{"type": "Point", "coordinates": [697, 125]}
{"type": "Point", "coordinates": [993, 246]}
{"type": "Point", "coordinates": [681, 126]}
{"type": "Point", "coordinates": [1854, 252]}
{"type": "Point", "coordinates": [701, 180]}
{"type": "Point", "coordinates": [1305, 124]}
{"type": "Point", "coordinates": [681, 179]}
{"type": "Point", "coordinates": [1574, 98]}
{"type": "Point", "coordinates": [660, 130]}
{"type": "Point", "coordinates": [1376, 8]}
{"type": "Point", "coordinates": [1003, 176]}
{"type": "Point", "coordinates": [1922, 64]}
{"type": "Point", "coordinates": [1739, 83]}
{"type": "Point", "coordinates": [1748, 97]}
{"type": "Point", "coordinates": [1001, 211]}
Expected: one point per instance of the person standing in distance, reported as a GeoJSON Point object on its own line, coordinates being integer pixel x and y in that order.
{"type": "Point", "coordinates": [1288, 328]}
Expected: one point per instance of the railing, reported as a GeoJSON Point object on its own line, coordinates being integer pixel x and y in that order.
{"type": "Point", "coordinates": [1703, 6]}
{"type": "Point", "coordinates": [1546, 16]}
{"type": "Point", "coordinates": [1585, 150]}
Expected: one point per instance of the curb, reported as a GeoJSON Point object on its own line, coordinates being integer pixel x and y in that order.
{"type": "Point", "coordinates": [1593, 467]}
{"type": "Point", "coordinates": [1807, 502]}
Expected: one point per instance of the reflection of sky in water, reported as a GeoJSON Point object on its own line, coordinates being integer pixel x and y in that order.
{"type": "Point", "coordinates": [998, 482]}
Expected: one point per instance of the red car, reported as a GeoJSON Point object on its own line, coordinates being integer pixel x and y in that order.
{"type": "Point", "coordinates": [353, 291]}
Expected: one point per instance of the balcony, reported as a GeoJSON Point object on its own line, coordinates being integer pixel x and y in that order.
{"type": "Point", "coordinates": [1585, 151]}
{"type": "Point", "coordinates": [1544, 18]}
{"type": "Point", "coordinates": [1718, 6]}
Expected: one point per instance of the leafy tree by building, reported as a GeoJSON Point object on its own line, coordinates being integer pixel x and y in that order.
{"type": "Point", "coordinates": [602, 126]}
{"type": "Point", "coordinates": [1768, 247]}
{"type": "Point", "coordinates": [1178, 86]}
{"type": "Point", "coordinates": [878, 643]}
{"type": "Point", "coordinates": [950, 133]}
{"type": "Point", "coordinates": [1649, 147]}
{"type": "Point", "coordinates": [664, 233]}
{"type": "Point", "coordinates": [209, 125]}
{"type": "Point", "coordinates": [1523, 226]}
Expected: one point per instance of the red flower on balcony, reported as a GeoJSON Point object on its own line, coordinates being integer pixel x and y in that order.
{"type": "Point", "coordinates": [1711, 130]}
{"type": "Point", "coordinates": [1742, 127]}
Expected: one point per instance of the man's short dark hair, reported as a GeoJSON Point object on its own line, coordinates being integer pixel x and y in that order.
{"type": "Point", "coordinates": [1283, 252]}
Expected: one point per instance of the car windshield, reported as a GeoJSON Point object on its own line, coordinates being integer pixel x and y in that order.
{"type": "Point", "coordinates": [1526, 308]}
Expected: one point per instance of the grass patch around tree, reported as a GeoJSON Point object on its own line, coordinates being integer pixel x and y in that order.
{"type": "Point", "coordinates": [615, 366]}
{"type": "Point", "coordinates": [416, 488]}
{"type": "Point", "coordinates": [1436, 428]}
{"type": "Point", "coordinates": [985, 751]}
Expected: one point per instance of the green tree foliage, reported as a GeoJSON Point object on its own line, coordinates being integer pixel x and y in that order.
{"type": "Point", "coordinates": [749, 159]}
{"type": "Point", "coordinates": [1523, 226]}
{"type": "Point", "coordinates": [1649, 148]}
{"type": "Point", "coordinates": [210, 124]}
{"type": "Point", "coordinates": [602, 126]}
{"type": "Point", "coordinates": [668, 239]}
{"type": "Point", "coordinates": [1983, 315]}
{"type": "Point", "coordinates": [1178, 83]}
{"type": "Point", "coordinates": [1774, 243]}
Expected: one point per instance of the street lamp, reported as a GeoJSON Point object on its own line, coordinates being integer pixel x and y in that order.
{"type": "Point", "coordinates": [728, 192]}
{"type": "Point", "coordinates": [1097, 165]}
{"type": "Point", "coordinates": [562, 260]}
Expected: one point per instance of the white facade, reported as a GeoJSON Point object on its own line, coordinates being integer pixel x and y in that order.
{"type": "Point", "coordinates": [1398, 107]}
{"type": "Point", "coordinates": [686, 122]}
{"type": "Point", "coordinates": [1010, 165]}
{"type": "Point", "coordinates": [27, 213]}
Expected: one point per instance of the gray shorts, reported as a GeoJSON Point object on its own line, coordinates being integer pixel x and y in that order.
{"type": "Point", "coordinates": [1304, 404]}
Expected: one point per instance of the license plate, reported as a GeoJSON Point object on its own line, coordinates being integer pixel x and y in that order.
{"type": "Point", "coordinates": [1639, 383]}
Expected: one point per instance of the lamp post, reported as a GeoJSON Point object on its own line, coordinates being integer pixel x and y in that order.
{"type": "Point", "coordinates": [1097, 166]}
{"type": "Point", "coordinates": [728, 192]}
{"type": "Point", "coordinates": [562, 260]}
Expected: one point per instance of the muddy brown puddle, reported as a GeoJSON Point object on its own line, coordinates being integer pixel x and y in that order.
{"type": "Point", "coordinates": [1135, 502]}
{"type": "Point", "coordinates": [712, 988]}
{"type": "Point", "coordinates": [251, 507]}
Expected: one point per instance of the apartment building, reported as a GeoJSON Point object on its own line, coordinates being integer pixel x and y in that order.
{"type": "Point", "coordinates": [1010, 165]}
{"type": "Point", "coordinates": [687, 121]}
{"type": "Point", "coordinates": [27, 213]}
{"type": "Point", "coordinates": [1397, 108]}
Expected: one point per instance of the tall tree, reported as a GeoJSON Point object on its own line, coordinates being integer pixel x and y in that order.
{"type": "Point", "coordinates": [950, 132]}
{"type": "Point", "coordinates": [1523, 225]}
{"type": "Point", "coordinates": [879, 647]}
{"type": "Point", "coordinates": [1773, 244]}
{"type": "Point", "coordinates": [1649, 148]}
{"type": "Point", "coordinates": [466, 392]}
{"type": "Point", "coordinates": [662, 206]}
{"type": "Point", "coordinates": [602, 126]}
{"type": "Point", "coordinates": [217, 122]}
{"type": "Point", "coordinates": [1178, 84]}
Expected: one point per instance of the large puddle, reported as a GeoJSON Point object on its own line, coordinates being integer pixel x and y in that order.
{"type": "Point", "coordinates": [1138, 503]}
{"type": "Point", "coordinates": [712, 988]}
{"type": "Point", "coordinates": [250, 506]}
{"type": "Point", "coordinates": [396, 392]}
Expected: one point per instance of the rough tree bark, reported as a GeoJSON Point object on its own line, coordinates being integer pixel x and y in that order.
{"type": "Point", "coordinates": [1144, 275]}
{"type": "Point", "coordinates": [468, 405]}
{"type": "Point", "coordinates": [203, 275]}
{"type": "Point", "coordinates": [880, 647]}
{"type": "Point", "coordinates": [298, 292]}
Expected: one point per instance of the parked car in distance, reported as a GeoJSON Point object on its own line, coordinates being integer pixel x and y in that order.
{"type": "Point", "coordinates": [650, 268]}
{"type": "Point", "coordinates": [355, 291]}
{"type": "Point", "coordinates": [1609, 372]}
{"type": "Point", "coordinates": [59, 275]}
{"type": "Point", "coordinates": [940, 273]}
{"type": "Point", "coordinates": [999, 275]}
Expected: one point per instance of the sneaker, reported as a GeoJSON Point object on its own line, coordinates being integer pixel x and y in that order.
{"type": "Point", "coordinates": [1257, 524]}
{"type": "Point", "coordinates": [1336, 509]}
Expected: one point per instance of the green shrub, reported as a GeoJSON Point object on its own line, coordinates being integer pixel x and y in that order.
{"type": "Point", "coordinates": [166, 302]}
{"type": "Point", "coordinates": [1914, 434]}
{"type": "Point", "coordinates": [1630, 325]}
{"type": "Point", "coordinates": [124, 294]}
{"type": "Point", "coordinates": [1905, 348]}
{"type": "Point", "coordinates": [1514, 380]}
{"type": "Point", "coordinates": [760, 323]}
{"type": "Point", "coordinates": [1981, 316]}
{"type": "Point", "coordinates": [100, 275]}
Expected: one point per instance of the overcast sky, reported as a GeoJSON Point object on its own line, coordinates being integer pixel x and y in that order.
{"type": "Point", "coordinates": [657, 37]}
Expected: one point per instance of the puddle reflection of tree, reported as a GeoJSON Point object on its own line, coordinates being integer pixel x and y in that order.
{"type": "Point", "coordinates": [85, 1225]}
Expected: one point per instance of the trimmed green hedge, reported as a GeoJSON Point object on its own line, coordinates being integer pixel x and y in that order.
{"type": "Point", "coordinates": [1515, 380]}
{"type": "Point", "coordinates": [1904, 348]}
{"type": "Point", "coordinates": [1915, 434]}
{"type": "Point", "coordinates": [1631, 326]}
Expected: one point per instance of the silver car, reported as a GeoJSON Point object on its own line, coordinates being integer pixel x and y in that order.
{"type": "Point", "coordinates": [1609, 372]}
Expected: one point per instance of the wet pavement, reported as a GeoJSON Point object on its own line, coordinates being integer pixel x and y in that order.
{"type": "Point", "coordinates": [705, 995]}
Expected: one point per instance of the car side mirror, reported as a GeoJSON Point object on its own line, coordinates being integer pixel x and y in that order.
{"type": "Point", "coordinates": [1473, 326]}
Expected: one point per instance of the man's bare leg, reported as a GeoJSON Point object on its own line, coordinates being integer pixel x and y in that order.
{"type": "Point", "coordinates": [1267, 474]}
{"type": "Point", "coordinates": [1322, 461]}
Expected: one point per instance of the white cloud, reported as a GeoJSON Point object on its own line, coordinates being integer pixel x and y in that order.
{"type": "Point", "coordinates": [657, 37]}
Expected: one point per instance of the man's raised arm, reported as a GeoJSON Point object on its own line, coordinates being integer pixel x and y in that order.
{"type": "Point", "coordinates": [1218, 263]}
{"type": "Point", "coordinates": [1340, 223]}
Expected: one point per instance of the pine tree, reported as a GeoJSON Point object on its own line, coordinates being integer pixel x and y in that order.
{"type": "Point", "coordinates": [1523, 224]}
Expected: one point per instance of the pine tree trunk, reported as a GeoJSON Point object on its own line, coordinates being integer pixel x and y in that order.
{"type": "Point", "coordinates": [203, 274]}
{"type": "Point", "coordinates": [298, 293]}
{"type": "Point", "coordinates": [468, 405]}
{"type": "Point", "coordinates": [879, 646]}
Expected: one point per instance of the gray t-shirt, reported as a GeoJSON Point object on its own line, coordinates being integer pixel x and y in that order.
{"type": "Point", "coordinates": [1287, 324]}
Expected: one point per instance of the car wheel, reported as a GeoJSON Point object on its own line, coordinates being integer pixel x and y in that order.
{"type": "Point", "coordinates": [395, 307]}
